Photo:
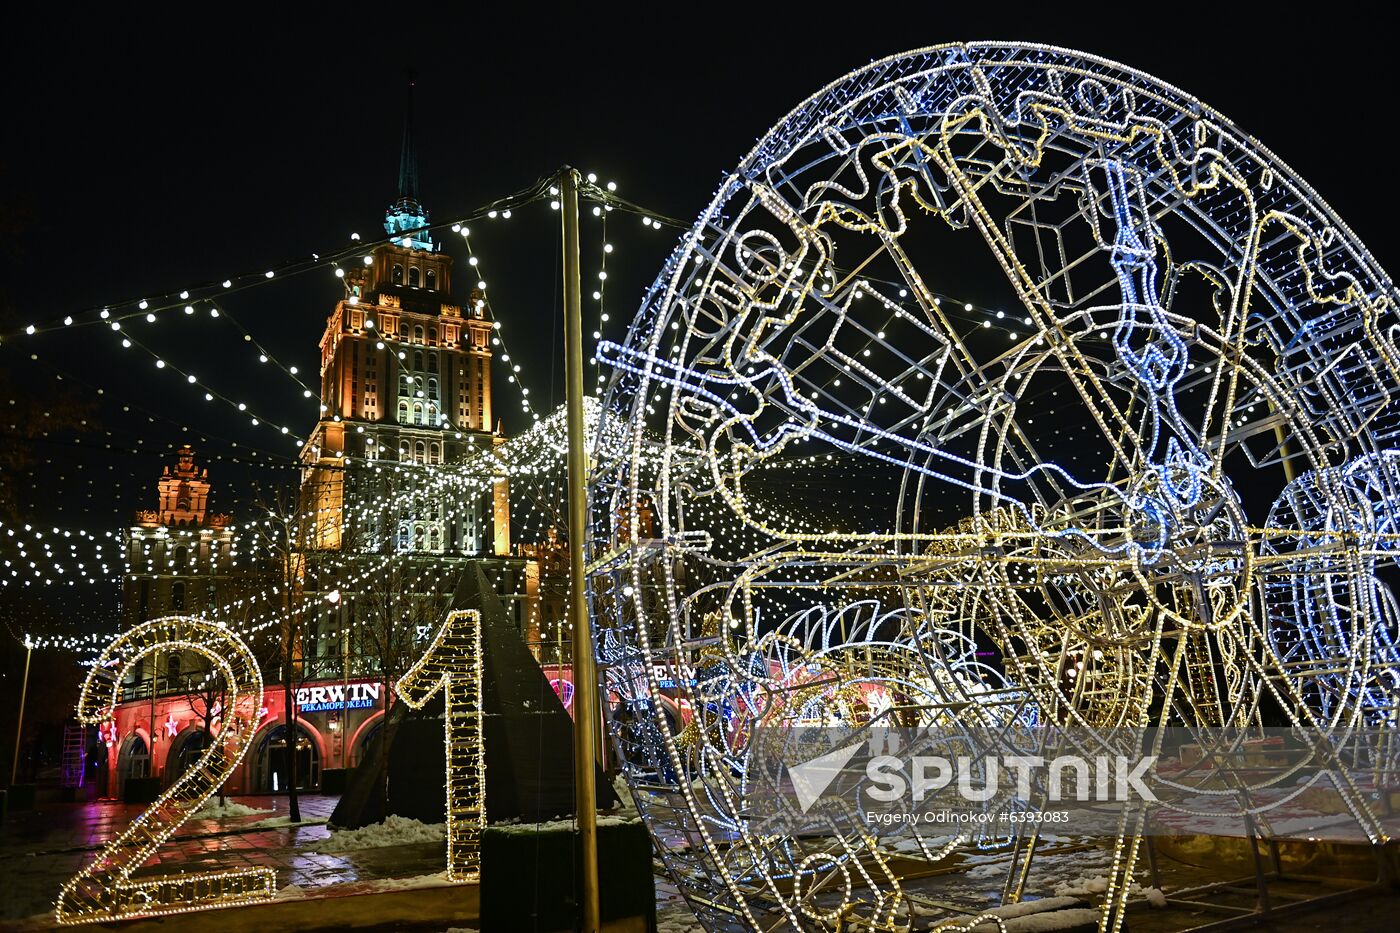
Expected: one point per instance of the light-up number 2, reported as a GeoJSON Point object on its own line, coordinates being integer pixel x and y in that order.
{"type": "Point", "coordinates": [452, 663]}
{"type": "Point", "coordinates": [104, 889]}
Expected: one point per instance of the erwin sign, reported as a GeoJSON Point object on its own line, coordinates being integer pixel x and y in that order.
{"type": "Point", "coordinates": [337, 697]}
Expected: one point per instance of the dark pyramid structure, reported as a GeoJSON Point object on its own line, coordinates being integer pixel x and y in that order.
{"type": "Point", "coordinates": [527, 732]}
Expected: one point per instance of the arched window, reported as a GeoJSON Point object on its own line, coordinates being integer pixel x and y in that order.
{"type": "Point", "coordinates": [432, 414]}
{"type": "Point", "coordinates": [177, 596]}
{"type": "Point", "coordinates": [419, 452]}
{"type": "Point", "coordinates": [418, 334]}
{"type": "Point", "coordinates": [435, 453]}
{"type": "Point", "coordinates": [434, 539]}
{"type": "Point", "coordinates": [405, 384]}
{"type": "Point", "coordinates": [403, 413]}
{"type": "Point", "coordinates": [181, 556]}
{"type": "Point", "coordinates": [432, 335]}
{"type": "Point", "coordinates": [432, 362]}
{"type": "Point", "coordinates": [432, 388]}
{"type": "Point", "coordinates": [403, 329]}
{"type": "Point", "coordinates": [398, 274]}
{"type": "Point", "coordinates": [418, 360]}
{"type": "Point", "coordinates": [432, 280]}
{"type": "Point", "coordinates": [417, 413]}
{"type": "Point", "coordinates": [418, 537]}
{"type": "Point", "coordinates": [413, 276]}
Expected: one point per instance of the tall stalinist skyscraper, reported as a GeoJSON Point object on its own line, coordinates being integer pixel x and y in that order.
{"type": "Point", "coordinates": [406, 378]}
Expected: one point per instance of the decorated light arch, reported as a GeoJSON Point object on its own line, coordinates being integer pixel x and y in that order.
{"type": "Point", "coordinates": [1157, 483]}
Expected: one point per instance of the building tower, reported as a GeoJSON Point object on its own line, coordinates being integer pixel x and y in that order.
{"type": "Point", "coordinates": [178, 553]}
{"type": "Point", "coordinates": [405, 377]}
{"type": "Point", "coordinates": [406, 404]}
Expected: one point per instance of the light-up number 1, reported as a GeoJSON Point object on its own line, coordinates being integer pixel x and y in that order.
{"type": "Point", "coordinates": [452, 663]}
{"type": "Point", "coordinates": [104, 889]}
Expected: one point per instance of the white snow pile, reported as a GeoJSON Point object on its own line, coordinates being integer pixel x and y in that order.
{"type": "Point", "coordinates": [394, 831]}
{"type": "Point", "coordinates": [987, 870]}
{"type": "Point", "coordinates": [553, 825]}
{"type": "Point", "coordinates": [1042, 916]}
{"type": "Point", "coordinates": [212, 811]}
{"type": "Point", "coordinates": [1098, 884]}
{"type": "Point", "coordinates": [294, 892]}
{"type": "Point", "coordinates": [677, 919]}
{"type": "Point", "coordinates": [628, 807]}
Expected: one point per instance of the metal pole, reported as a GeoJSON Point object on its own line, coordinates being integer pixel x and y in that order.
{"type": "Point", "coordinates": [585, 677]}
{"type": "Point", "coordinates": [19, 723]}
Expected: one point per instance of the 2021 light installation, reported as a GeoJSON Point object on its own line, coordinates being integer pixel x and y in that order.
{"type": "Point", "coordinates": [452, 664]}
{"type": "Point", "coordinates": [104, 890]}
{"type": "Point", "coordinates": [1157, 476]}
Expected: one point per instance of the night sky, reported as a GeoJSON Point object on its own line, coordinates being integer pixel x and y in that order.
{"type": "Point", "coordinates": [149, 153]}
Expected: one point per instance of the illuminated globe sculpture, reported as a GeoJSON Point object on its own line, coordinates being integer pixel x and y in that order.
{"type": "Point", "coordinates": [999, 383]}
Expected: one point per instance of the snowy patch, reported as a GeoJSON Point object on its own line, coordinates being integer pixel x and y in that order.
{"type": "Point", "coordinates": [628, 806]}
{"type": "Point", "coordinates": [1075, 918]}
{"type": "Point", "coordinates": [1098, 884]}
{"type": "Point", "coordinates": [212, 811]}
{"type": "Point", "coordinates": [1040, 916]}
{"type": "Point", "coordinates": [556, 825]}
{"type": "Point", "coordinates": [394, 831]}
{"type": "Point", "coordinates": [677, 919]}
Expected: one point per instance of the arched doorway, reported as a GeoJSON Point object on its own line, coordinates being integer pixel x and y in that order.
{"type": "Point", "coordinates": [133, 761]}
{"type": "Point", "coordinates": [184, 752]}
{"type": "Point", "coordinates": [270, 760]}
{"type": "Point", "coordinates": [369, 740]}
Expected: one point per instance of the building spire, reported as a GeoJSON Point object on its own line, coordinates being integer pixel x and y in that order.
{"type": "Point", "coordinates": [408, 157]}
{"type": "Point", "coordinates": [406, 218]}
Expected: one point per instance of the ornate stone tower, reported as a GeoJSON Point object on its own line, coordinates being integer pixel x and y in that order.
{"type": "Point", "coordinates": [405, 378]}
{"type": "Point", "coordinates": [178, 554]}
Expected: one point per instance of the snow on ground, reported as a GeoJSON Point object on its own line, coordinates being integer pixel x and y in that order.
{"type": "Point", "coordinates": [1074, 918]}
{"type": "Point", "coordinates": [550, 825]}
{"type": "Point", "coordinates": [212, 811]}
{"type": "Point", "coordinates": [628, 807]}
{"type": "Point", "coordinates": [439, 879]}
{"type": "Point", "coordinates": [394, 831]}
{"type": "Point", "coordinates": [1097, 884]}
{"type": "Point", "coordinates": [677, 919]}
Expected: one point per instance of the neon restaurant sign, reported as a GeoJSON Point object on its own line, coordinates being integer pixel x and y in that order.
{"type": "Point", "coordinates": [337, 697]}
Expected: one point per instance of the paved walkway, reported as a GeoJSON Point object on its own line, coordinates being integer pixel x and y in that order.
{"type": "Point", "coordinates": [42, 848]}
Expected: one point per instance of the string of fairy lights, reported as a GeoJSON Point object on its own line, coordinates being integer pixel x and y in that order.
{"type": "Point", "coordinates": [536, 487]}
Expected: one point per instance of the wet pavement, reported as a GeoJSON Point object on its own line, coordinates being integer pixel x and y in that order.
{"type": "Point", "coordinates": [40, 849]}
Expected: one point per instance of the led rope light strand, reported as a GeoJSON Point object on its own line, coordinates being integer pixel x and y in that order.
{"type": "Point", "coordinates": [750, 349]}
{"type": "Point", "coordinates": [104, 890]}
{"type": "Point", "coordinates": [452, 664]}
